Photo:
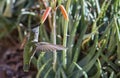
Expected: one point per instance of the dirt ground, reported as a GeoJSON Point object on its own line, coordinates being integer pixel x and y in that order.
{"type": "Point", "coordinates": [11, 61]}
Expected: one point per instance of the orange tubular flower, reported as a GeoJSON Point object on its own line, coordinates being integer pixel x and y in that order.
{"type": "Point", "coordinates": [45, 14]}
{"type": "Point", "coordinates": [64, 13]}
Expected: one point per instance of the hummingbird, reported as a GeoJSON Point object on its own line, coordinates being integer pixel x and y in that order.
{"type": "Point", "coordinates": [42, 46]}
{"type": "Point", "coordinates": [32, 37]}
{"type": "Point", "coordinates": [39, 46]}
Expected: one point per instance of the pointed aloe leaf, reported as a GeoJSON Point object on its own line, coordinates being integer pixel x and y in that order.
{"type": "Point", "coordinates": [88, 66]}
{"type": "Point", "coordinates": [86, 59]}
{"type": "Point", "coordinates": [118, 40]}
{"type": "Point", "coordinates": [47, 73]}
{"type": "Point", "coordinates": [8, 9]}
{"type": "Point", "coordinates": [99, 71]}
{"type": "Point", "coordinates": [112, 65]}
{"type": "Point", "coordinates": [89, 56]}
{"type": "Point", "coordinates": [42, 68]}
{"type": "Point", "coordinates": [57, 74]}
{"type": "Point", "coordinates": [41, 55]}
{"type": "Point", "coordinates": [63, 73]}
{"type": "Point", "coordinates": [81, 69]}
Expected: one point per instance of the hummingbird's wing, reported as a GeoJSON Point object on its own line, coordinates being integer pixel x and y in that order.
{"type": "Point", "coordinates": [44, 46]}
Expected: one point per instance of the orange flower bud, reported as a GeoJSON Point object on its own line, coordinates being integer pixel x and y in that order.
{"type": "Point", "coordinates": [64, 13]}
{"type": "Point", "coordinates": [45, 14]}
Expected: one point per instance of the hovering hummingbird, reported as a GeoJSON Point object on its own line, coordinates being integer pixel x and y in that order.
{"type": "Point", "coordinates": [41, 46]}
{"type": "Point", "coordinates": [31, 40]}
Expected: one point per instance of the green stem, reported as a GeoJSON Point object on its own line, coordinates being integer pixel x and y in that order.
{"type": "Point", "coordinates": [64, 56]}
{"type": "Point", "coordinates": [54, 40]}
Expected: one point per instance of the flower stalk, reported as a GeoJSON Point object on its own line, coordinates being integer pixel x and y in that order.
{"type": "Point", "coordinates": [64, 56]}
